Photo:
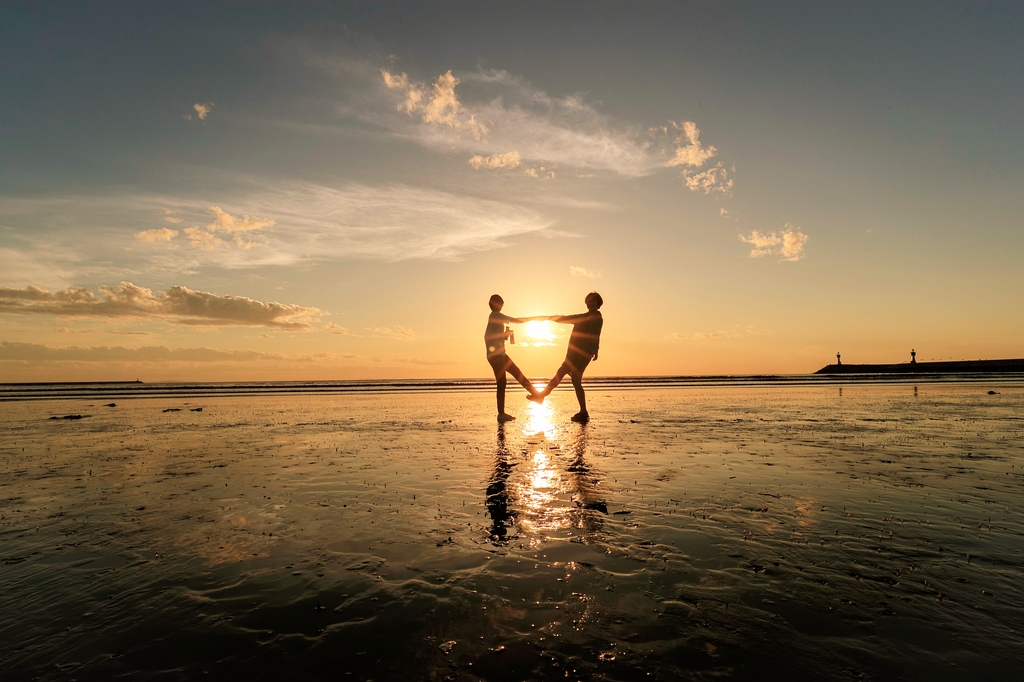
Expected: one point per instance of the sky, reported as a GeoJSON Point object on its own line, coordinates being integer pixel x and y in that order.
{"type": "Point", "coordinates": [299, 191]}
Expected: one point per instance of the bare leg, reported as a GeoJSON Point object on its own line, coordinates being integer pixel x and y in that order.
{"type": "Point", "coordinates": [501, 381]}
{"type": "Point", "coordinates": [560, 373]}
{"type": "Point", "coordinates": [577, 383]}
{"type": "Point", "coordinates": [520, 377]}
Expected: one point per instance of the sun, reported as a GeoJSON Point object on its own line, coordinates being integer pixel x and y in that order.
{"type": "Point", "coordinates": [539, 330]}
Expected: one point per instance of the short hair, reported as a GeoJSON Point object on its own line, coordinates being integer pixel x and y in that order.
{"type": "Point", "coordinates": [594, 300]}
{"type": "Point", "coordinates": [495, 300]}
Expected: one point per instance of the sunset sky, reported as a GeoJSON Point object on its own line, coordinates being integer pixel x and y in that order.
{"type": "Point", "coordinates": [230, 191]}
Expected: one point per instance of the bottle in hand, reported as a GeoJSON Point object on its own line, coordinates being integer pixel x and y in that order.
{"type": "Point", "coordinates": [510, 335]}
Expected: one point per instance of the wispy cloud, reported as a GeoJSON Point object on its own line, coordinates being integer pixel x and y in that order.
{"type": "Point", "coordinates": [788, 243]}
{"type": "Point", "coordinates": [37, 352]}
{"type": "Point", "coordinates": [715, 179]}
{"type": "Point", "coordinates": [702, 336]}
{"type": "Point", "coordinates": [311, 222]}
{"type": "Point", "coordinates": [179, 305]}
{"type": "Point", "coordinates": [507, 160]}
{"type": "Point", "coordinates": [223, 222]}
{"type": "Point", "coordinates": [735, 332]}
{"type": "Point", "coordinates": [577, 271]}
{"type": "Point", "coordinates": [203, 109]}
{"type": "Point", "coordinates": [332, 328]}
{"type": "Point", "coordinates": [394, 222]}
{"type": "Point", "coordinates": [396, 332]}
{"type": "Point", "coordinates": [429, 362]}
{"type": "Point", "coordinates": [39, 265]}
{"type": "Point", "coordinates": [160, 234]}
{"type": "Point", "coordinates": [499, 110]}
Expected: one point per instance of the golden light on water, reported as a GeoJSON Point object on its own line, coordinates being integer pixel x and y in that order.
{"type": "Point", "coordinates": [540, 495]}
{"type": "Point", "coordinates": [541, 420]}
{"type": "Point", "coordinates": [543, 484]}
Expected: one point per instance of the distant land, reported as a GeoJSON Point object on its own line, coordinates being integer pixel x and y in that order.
{"type": "Point", "coordinates": [953, 367]}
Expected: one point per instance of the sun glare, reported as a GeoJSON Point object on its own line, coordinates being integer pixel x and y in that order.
{"type": "Point", "coordinates": [539, 330]}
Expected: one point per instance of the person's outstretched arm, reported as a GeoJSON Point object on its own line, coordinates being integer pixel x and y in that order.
{"type": "Point", "coordinates": [507, 319]}
{"type": "Point", "coordinates": [569, 319]}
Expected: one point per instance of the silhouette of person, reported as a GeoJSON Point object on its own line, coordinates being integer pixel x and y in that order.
{"type": "Point", "coordinates": [494, 338]}
{"type": "Point", "coordinates": [583, 345]}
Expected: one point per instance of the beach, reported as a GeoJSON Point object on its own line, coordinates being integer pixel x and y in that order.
{"type": "Point", "coordinates": [839, 531]}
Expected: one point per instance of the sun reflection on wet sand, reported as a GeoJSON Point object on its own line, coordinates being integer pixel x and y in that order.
{"type": "Point", "coordinates": [555, 488]}
{"type": "Point", "coordinates": [539, 495]}
{"type": "Point", "coordinates": [541, 420]}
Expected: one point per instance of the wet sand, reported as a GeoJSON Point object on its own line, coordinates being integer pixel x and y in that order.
{"type": "Point", "coordinates": [873, 532]}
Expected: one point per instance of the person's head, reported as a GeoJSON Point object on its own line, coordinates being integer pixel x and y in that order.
{"type": "Point", "coordinates": [496, 302]}
{"type": "Point", "coordinates": [593, 300]}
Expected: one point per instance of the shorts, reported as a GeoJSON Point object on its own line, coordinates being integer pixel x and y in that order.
{"type": "Point", "coordinates": [577, 362]}
{"type": "Point", "coordinates": [500, 364]}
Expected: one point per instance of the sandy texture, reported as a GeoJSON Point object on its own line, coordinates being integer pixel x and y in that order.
{"type": "Point", "coordinates": [864, 533]}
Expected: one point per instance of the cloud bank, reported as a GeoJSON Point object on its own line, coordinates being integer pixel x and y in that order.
{"type": "Point", "coordinates": [179, 305]}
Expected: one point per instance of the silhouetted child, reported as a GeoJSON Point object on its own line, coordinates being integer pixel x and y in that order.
{"type": "Point", "coordinates": [583, 344]}
{"type": "Point", "coordinates": [501, 363]}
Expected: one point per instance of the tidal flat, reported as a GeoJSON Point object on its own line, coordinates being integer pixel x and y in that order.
{"type": "Point", "coordinates": [847, 533]}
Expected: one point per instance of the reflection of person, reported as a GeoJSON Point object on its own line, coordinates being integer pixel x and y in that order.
{"type": "Point", "coordinates": [586, 496]}
{"type": "Point", "coordinates": [497, 492]}
{"type": "Point", "coordinates": [583, 344]}
{"type": "Point", "coordinates": [494, 338]}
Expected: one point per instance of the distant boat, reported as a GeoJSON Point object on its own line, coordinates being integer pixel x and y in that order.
{"type": "Point", "coordinates": [950, 367]}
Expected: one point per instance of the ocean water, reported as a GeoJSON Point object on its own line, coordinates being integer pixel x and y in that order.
{"type": "Point", "coordinates": [750, 529]}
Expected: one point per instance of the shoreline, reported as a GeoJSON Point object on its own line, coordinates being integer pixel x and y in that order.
{"type": "Point", "coordinates": [131, 390]}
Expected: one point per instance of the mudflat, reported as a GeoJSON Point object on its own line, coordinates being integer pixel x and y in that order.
{"type": "Point", "coordinates": [865, 532]}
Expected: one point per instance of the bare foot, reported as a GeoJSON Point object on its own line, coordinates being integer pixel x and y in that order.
{"type": "Point", "coordinates": [536, 397]}
{"type": "Point", "coordinates": [581, 417]}
{"type": "Point", "coordinates": [505, 418]}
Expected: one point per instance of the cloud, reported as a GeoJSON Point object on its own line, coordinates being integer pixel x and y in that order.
{"type": "Point", "coordinates": [440, 106]}
{"type": "Point", "coordinates": [430, 362]}
{"type": "Point", "coordinates": [223, 222]}
{"type": "Point", "coordinates": [400, 333]}
{"type": "Point", "coordinates": [735, 332]}
{"type": "Point", "coordinates": [36, 352]}
{"type": "Point", "coordinates": [311, 223]}
{"type": "Point", "coordinates": [201, 239]}
{"type": "Point", "coordinates": [20, 267]}
{"type": "Point", "coordinates": [162, 234]}
{"type": "Point", "coordinates": [170, 217]}
{"type": "Point", "coordinates": [202, 110]}
{"type": "Point", "coordinates": [577, 271]}
{"type": "Point", "coordinates": [724, 213]}
{"type": "Point", "coordinates": [508, 160]}
{"type": "Point", "coordinates": [503, 111]}
{"type": "Point", "coordinates": [179, 305]}
{"type": "Point", "coordinates": [540, 173]}
{"type": "Point", "coordinates": [702, 336]}
{"type": "Point", "coordinates": [689, 151]}
{"type": "Point", "coordinates": [393, 222]}
{"type": "Point", "coordinates": [789, 243]}
{"type": "Point", "coordinates": [332, 328]}
{"type": "Point", "coordinates": [714, 179]}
